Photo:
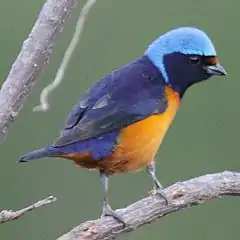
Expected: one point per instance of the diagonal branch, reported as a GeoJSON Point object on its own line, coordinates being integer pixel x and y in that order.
{"type": "Point", "coordinates": [34, 54]}
{"type": "Point", "coordinates": [9, 215]}
{"type": "Point", "coordinates": [183, 194]}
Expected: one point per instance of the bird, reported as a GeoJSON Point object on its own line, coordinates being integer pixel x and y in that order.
{"type": "Point", "coordinates": [121, 120]}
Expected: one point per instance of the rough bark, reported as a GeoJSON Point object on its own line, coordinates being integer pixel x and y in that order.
{"type": "Point", "coordinates": [183, 194]}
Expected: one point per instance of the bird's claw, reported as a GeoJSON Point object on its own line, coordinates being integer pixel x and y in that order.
{"type": "Point", "coordinates": [160, 192]}
{"type": "Point", "coordinates": [107, 211]}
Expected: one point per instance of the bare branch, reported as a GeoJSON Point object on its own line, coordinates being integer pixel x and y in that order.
{"type": "Point", "coordinates": [9, 215]}
{"type": "Point", "coordinates": [35, 52]}
{"type": "Point", "coordinates": [183, 195]}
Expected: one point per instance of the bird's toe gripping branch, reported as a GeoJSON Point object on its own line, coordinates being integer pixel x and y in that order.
{"type": "Point", "coordinates": [161, 193]}
{"type": "Point", "coordinates": [158, 188]}
{"type": "Point", "coordinates": [107, 211]}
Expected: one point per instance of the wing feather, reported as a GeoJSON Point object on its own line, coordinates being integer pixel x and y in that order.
{"type": "Point", "coordinates": [116, 101]}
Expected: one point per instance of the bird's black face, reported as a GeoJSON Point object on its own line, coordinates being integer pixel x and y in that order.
{"type": "Point", "coordinates": [186, 70]}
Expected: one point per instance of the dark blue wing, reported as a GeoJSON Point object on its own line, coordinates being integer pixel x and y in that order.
{"type": "Point", "coordinates": [127, 95]}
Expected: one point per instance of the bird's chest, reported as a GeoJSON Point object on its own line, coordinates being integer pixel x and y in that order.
{"type": "Point", "coordinates": [138, 143]}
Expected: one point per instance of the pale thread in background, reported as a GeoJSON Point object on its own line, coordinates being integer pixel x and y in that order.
{"type": "Point", "coordinates": [44, 104]}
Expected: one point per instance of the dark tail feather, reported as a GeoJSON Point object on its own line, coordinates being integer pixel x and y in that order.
{"type": "Point", "coordinates": [39, 153]}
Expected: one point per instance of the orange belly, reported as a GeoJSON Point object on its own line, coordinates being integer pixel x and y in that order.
{"type": "Point", "coordinates": [138, 143]}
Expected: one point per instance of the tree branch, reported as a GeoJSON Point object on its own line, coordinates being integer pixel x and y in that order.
{"type": "Point", "coordinates": [183, 195]}
{"type": "Point", "coordinates": [34, 54]}
{"type": "Point", "coordinates": [9, 215]}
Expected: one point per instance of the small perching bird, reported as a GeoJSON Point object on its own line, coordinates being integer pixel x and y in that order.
{"type": "Point", "coordinates": [121, 120]}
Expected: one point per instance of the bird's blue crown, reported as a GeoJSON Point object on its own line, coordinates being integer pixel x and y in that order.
{"type": "Point", "coordinates": [186, 40]}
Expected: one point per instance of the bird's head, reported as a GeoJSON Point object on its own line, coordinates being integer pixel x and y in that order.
{"type": "Point", "coordinates": [184, 56]}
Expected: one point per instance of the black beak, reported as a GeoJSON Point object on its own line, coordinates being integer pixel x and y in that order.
{"type": "Point", "coordinates": [216, 70]}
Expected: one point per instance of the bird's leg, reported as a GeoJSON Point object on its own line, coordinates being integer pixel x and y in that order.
{"type": "Point", "coordinates": [158, 188]}
{"type": "Point", "coordinates": [106, 208]}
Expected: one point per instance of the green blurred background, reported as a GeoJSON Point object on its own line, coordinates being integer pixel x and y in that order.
{"type": "Point", "coordinates": [203, 139]}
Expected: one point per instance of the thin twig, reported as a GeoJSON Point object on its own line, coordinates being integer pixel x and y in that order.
{"type": "Point", "coordinates": [9, 215]}
{"type": "Point", "coordinates": [183, 195]}
{"type": "Point", "coordinates": [44, 105]}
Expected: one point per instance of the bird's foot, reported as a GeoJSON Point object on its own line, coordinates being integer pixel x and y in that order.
{"type": "Point", "coordinates": [107, 211]}
{"type": "Point", "coordinates": [159, 191]}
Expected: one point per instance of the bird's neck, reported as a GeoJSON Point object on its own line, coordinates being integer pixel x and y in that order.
{"type": "Point", "coordinates": [153, 71]}
{"type": "Point", "coordinates": [150, 70]}
{"type": "Point", "coordinates": [179, 88]}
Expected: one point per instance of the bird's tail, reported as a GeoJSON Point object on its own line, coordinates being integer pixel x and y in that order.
{"type": "Point", "coordinates": [39, 153]}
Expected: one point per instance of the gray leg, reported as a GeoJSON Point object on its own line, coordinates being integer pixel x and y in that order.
{"type": "Point", "coordinates": [106, 208]}
{"type": "Point", "coordinates": [151, 170]}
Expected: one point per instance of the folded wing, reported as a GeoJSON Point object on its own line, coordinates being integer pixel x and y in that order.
{"type": "Point", "coordinates": [116, 101]}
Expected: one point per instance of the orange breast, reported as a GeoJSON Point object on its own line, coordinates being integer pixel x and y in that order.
{"type": "Point", "coordinates": [138, 143]}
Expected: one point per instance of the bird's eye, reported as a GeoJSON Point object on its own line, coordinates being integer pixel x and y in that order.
{"type": "Point", "coordinates": [195, 60]}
